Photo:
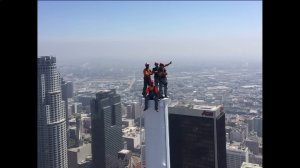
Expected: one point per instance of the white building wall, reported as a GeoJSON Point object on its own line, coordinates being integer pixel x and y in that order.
{"type": "Point", "coordinates": [157, 135]}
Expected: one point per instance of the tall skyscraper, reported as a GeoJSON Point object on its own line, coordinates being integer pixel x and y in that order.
{"type": "Point", "coordinates": [52, 138]}
{"type": "Point", "coordinates": [252, 142]}
{"type": "Point", "coordinates": [106, 129]}
{"type": "Point", "coordinates": [236, 155]}
{"type": "Point", "coordinates": [157, 152]}
{"type": "Point", "coordinates": [67, 88]}
{"type": "Point", "coordinates": [257, 125]}
{"type": "Point", "coordinates": [136, 110]}
{"type": "Point", "coordinates": [80, 157]}
{"type": "Point", "coordinates": [197, 137]}
{"type": "Point", "coordinates": [129, 111]}
{"type": "Point", "coordinates": [64, 94]}
{"type": "Point", "coordinates": [78, 141]}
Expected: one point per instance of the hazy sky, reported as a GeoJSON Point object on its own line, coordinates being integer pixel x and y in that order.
{"type": "Point", "coordinates": [148, 31]}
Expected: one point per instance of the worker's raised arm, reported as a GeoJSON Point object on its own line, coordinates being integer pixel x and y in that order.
{"type": "Point", "coordinates": [168, 63]}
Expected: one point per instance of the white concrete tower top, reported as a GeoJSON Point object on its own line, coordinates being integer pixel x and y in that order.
{"type": "Point", "coordinates": [157, 135]}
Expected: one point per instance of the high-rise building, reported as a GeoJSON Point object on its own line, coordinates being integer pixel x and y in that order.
{"type": "Point", "coordinates": [236, 155]}
{"type": "Point", "coordinates": [257, 125]}
{"type": "Point", "coordinates": [131, 135]}
{"type": "Point", "coordinates": [78, 140]}
{"type": "Point", "coordinates": [85, 99]}
{"type": "Point", "coordinates": [106, 129]}
{"type": "Point", "coordinates": [252, 143]}
{"type": "Point", "coordinates": [136, 110]}
{"type": "Point", "coordinates": [123, 110]}
{"type": "Point", "coordinates": [65, 96]}
{"type": "Point", "coordinates": [257, 159]}
{"type": "Point", "coordinates": [68, 89]}
{"type": "Point", "coordinates": [129, 111]}
{"type": "Point", "coordinates": [197, 137]}
{"type": "Point", "coordinates": [79, 157]}
{"type": "Point", "coordinates": [156, 151]}
{"type": "Point", "coordinates": [52, 137]}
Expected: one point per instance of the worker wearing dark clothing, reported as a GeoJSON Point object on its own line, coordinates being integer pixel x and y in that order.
{"type": "Point", "coordinates": [147, 78]}
{"type": "Point", "coordinates": [163, 82]}
{"type": "Point", "coordinates": [151, 94]}
{"type": "Point", "coordinates": [155, 71]}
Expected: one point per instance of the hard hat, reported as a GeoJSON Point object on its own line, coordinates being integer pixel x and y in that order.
{"type": "Point", "coordinates": [146, 64]}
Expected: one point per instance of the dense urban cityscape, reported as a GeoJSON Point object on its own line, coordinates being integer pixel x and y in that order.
{"type": "Point", "coordinates": [239, 90]}
{"type": "Point", "coordinates": [149, 84]}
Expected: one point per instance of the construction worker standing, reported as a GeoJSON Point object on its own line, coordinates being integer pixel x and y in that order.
{"type": "Point", "coordinates": [147, 78]}
{"type": "Point", "coordinates": [163, 82]}
{"type": "Point", "coordinates": [151, 94]}
{"type": "Point", "coordinates": [155, 72]}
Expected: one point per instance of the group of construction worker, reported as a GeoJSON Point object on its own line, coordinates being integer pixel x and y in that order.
{"type": "Point", "coordinates": [158, 89]}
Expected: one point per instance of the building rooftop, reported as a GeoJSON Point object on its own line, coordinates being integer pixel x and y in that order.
{"type": "Point", "coordinates": [198, 110]}
{"type": "Point", "coordinates": [236, 146]}
{"type": "Point", "coordinates": [130, 132]}
{"type": "Point", "coordinates": [250, 165]}
{"type": "Point", "coordinates": [72, 120]}
{"type": "Point", "coordinates": [205, 107]}
{"type": "Point", "coordinates": [124, 151]}
{"type": "Point", "coordinates": [77, 149]}
{"type": "Point", "coordinates": [72, 127]}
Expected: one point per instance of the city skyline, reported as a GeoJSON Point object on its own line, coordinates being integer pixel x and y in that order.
{"type": "Point", "coordinates": [77, 32]}
{"type": "Point", "coordinates": [238, 90]}
{"type": "Point", "coordinates": [98, 50]}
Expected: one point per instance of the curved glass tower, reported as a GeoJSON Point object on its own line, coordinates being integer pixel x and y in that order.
{"type": "Point", "coordinates": [52, 137]}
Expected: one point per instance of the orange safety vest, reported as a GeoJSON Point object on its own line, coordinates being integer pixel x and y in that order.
{"type": "Point", "coordinates": [147, 72]}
